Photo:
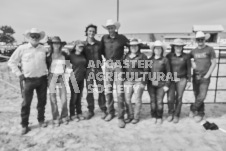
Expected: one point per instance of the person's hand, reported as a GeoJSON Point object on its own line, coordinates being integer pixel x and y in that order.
{"type": "Point", "coordinates": [165, 88]}
{"type": "Point", "coordinates": [21, 77]}
{"type": "Point", "coordinates": [188, 85]}
{"type": "Point", "coordinates": [206, 76]}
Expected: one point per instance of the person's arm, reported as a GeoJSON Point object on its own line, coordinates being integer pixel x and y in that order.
{"type": "Point", "coordinates": [102, 47]}
{"type": "Point", "coordinates": [167, 64]}
{"type": "Point", "coordinates": [188, 68]}
{"type": "Point", "coordinates": [146, 69]}
{"type": "Point", "coordinates": [213, 63]}
{"type": "Point", "coordinates": [15, 60]}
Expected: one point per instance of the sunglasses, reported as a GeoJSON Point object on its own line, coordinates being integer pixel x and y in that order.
{"type": "Point", "coordinates": [200, 39]}
{"type": "Point", "coordinates": [35, 36]}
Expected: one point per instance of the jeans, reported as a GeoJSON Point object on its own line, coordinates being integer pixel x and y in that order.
{"type": "Point", "coordinates": [31, 84]}
{"type": "Point", "coordinates": [174, 96]}
{"type": "Point", "coordinates": [156, 94]}
{"type": "Point", "coordinates": [53, 80]}
{"type": "Point", "coordinates": [133, 88]}
{"type": "Point", "coordinates": [110, 78]}
{"type": "Point", "coordinates": [100, 85]}
{"type": "Point", "coordinates": [200, 88]}
{"type": "Point", "coordinates": [76, 97]}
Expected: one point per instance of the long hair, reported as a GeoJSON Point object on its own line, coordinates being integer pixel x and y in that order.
{"type": "Point", "coordinates": [173, 49]}
{"type": "Point", "coordinates": [138, 51]}
{"type": "Point", "coordinates": [161, 52]}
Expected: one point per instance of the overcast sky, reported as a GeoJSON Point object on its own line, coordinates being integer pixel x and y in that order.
{"type": "Point", "coordinates": [68, 18]}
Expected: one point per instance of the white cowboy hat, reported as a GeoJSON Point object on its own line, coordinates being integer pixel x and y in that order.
{"type": "Point", "coordinates": [178, 42]}
{"type": "Point", "coordinates": [34, 30]}
{"type": "Point", "coordinates": [110, 22]}
{"type": "Point", "coordinates": [157, 43]}
{"type": "Point", "coordinates": [201, 34]}
{"type": "Point", "coordinates": [134, 41]}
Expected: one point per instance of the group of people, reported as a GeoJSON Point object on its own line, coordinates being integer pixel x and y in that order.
{"type": "Point", "coordinates": [170, 74]}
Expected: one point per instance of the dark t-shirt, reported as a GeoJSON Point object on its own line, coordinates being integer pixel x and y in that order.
{"type": "Point", "coordinates": [79, 65]}
{"type": "Point", "coordinates": [202, 58]}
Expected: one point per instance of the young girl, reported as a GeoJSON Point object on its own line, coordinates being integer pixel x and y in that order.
{"type": "Point", "coordinates": [134, 80]}
{"type": "Point", "coordinates": [180, 63]}
{"type": "Point", "coordinates": [76, 82]}
{"type": "Point", "coordinates": [56, 62]}
{"type": "Point", "coordinates": [157, 86]}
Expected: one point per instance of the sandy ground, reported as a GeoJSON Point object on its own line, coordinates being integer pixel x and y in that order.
{"type": "Point", "coordinates": [98, 135]}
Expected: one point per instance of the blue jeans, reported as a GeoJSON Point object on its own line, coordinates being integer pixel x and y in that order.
{"type": "Point", "coordinates": [200, 88]}
{"type": "Point", "coordinates": [119, 88]}
{"type": "Point", "coordinates": [31, 84]}
{"type": "Point", "coordinates": [174, 96]}
{"type": "Point", "coordinates": [133, 88]}
{"type": "Point", "coordinates": [156, 94]}
{"type": "Point", "coordinates": [100, 86]}
{"type": "Point", "coordinates": [76, 97]}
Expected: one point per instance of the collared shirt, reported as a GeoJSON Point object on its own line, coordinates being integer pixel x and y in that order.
{"type": "Point", "coordinates": [202, 58]}
{"type": "Point", "coordinates": [93, 51]}
{"type": "Point", "coordinates": [180, 64]}
{"type": "Point", "coordinates": [132, 66]}
{"type": "Point", "coordinates": [32, 60]}
{"type": "Point", "coordinates": [160, 65]}
{"type": "Point", "coordinates": [113, 48]}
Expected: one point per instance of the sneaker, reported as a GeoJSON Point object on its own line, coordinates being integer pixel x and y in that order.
{"type": "Point", "coordinates": [135, 121]}
{"type": "Point", "coordinates": [159, 121]}
{"type": "Point", "coordinates": [103, 115]}
{"type": "Point", "coordinates": [154, 120]}
{"type": "Point", "coordinates": [176, 119]}
{"type": "Point", "coordinates": [56, 123]}
{"type": "Point", "coordinates": [198, 118]}
{"type": "Point", "coordinates": [89, 115]}
{"type": "Point", "coordinates": [43, 124]}
{"type": "Point", "coordinates": [109, 117]}
{"type": "Point", "coordinates": [25, 130]}
{"type": "Point", "coordinates": [170, 118]}
{"type": "Point", "coordinates": [121, 123]}
{"type": "Point", "coordinates": [81, 117]}
{"type": "Point", "coordinates": [74, 118]}
{"type": "Point", "coordinates": [191, 114]}
{"type": "Point", "coordinates": [65, 121]}
{"type": "Point", "coordinates": [128, 120]}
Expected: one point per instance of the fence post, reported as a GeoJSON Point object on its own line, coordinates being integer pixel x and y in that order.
{"type": "Point", "coordinates": [218, 66]}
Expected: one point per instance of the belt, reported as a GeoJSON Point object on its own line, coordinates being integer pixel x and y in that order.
{"type": "Point", "coordinates": [35, 78]}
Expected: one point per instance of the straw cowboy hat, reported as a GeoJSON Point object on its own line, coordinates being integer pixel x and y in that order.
{"type": "Point", "coordinates": [178, 42]}
{"type": "Point", "coordinates": [134, 41]}
{"type": "Point", "coordinates": [157, 43]}
{"type": "Point", "coordinates": [110, 22]}
{"type": "Point", "coordinates": [56, 39]}
{"type": "Point", "coordinates": [34, 30]}
{"type": "Point", "coordinates": [201, 34]}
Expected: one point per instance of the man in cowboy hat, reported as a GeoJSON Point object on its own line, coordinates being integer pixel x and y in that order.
{"type": "Point", "coordinates": [205, 61]}
{"type": "Point", "coordinates": [93, 54]}
{"type": "Point", "coordinates": [113, 51]}
{"type": "Point", "coordinates": [32, 57]}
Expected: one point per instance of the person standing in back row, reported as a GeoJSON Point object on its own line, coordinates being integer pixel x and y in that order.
{"type": "Point", "coordinates": [93, 54]}
{"type": "Point", "coordinates": [113, 49]}
{"type": "Point", "coordinates": [204, 63]}
{"type": "Point", "coordinates": [32, 57]}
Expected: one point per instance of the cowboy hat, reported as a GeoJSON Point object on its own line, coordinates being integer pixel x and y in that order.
{"type": "Point", "coordinates": [157, 43]}
{"type": "Point", "coordinates": [79, 43]}
{"type": "Point", "coordinates": [134, 41]}
{"type": "Point", "coordinates": [56, 39]}
{"type": "Point", "coordinates": [201, 34]}
{"type": "Point", "coordinates": [34, 30]}
{"type": "Point", "coordinates": [178, 42]}
{"type": "Point", "coordinates": [110, 22]}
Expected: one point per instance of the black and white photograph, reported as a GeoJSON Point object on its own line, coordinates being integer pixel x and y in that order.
{"type": "Point", "coordinates": [112, 75]}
